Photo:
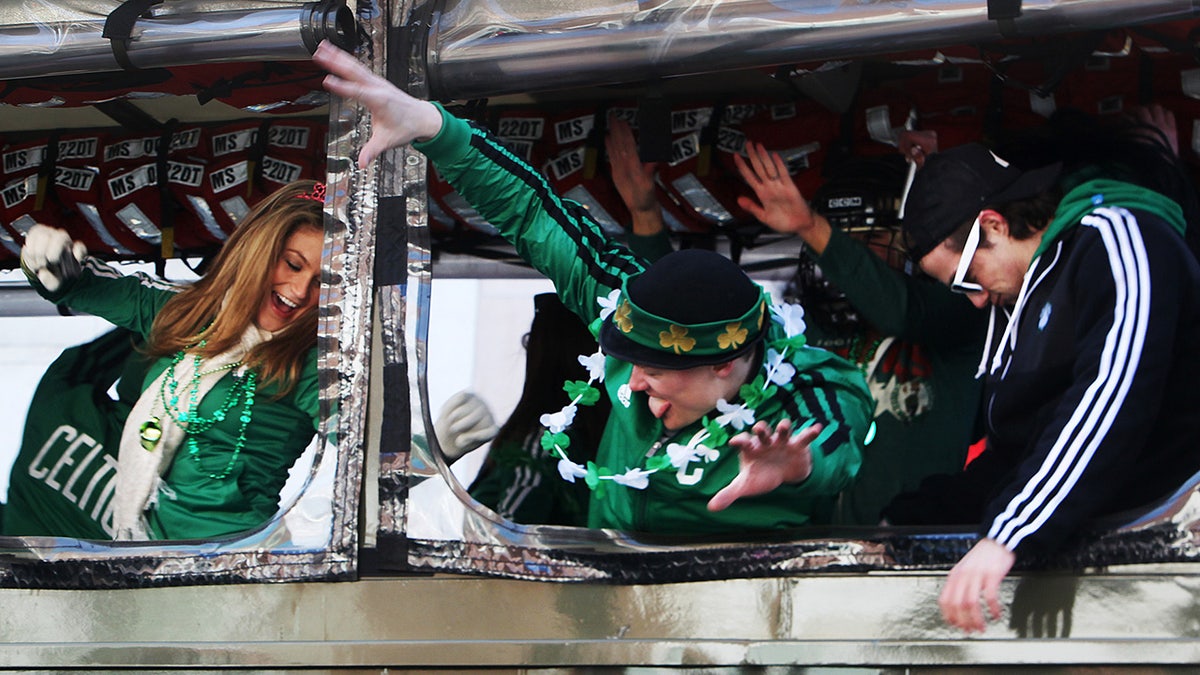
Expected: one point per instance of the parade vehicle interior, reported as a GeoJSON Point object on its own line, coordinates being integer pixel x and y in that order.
{"type": "Point", "coordinates": [145, 129]}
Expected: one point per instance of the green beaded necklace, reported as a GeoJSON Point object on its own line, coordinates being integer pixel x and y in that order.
{"type": "Point", "coordinates": [172, 390]}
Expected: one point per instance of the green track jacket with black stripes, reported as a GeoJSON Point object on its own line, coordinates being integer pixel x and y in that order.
{"type": "Point", "coordinates": [558, 238]}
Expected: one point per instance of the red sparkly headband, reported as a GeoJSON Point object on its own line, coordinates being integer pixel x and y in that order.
{"type": "Point", "coordinates": [317, 194]}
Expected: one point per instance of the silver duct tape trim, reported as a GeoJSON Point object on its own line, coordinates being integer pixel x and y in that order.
{"type": "Point", "coordinates": [390, 302]}
{"type": "Point", "coordinates": [509, 46]}
{"type": "Point", "coordinates": [43, 46]}
{"type": "Point", "coordinates": [400, 173]}
{"type": "Point", "coordinates": [346, 316]}
{"type": "Point", "coordinates": [503, 560]}
{"type": "Point", "coordinates": [624, 560]}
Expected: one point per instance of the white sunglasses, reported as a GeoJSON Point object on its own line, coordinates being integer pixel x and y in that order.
{"type": "Point", "coordinates": [959, 283]}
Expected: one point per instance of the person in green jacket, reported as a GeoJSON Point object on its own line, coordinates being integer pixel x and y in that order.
{"type": "Point", "coordinates": [708, 378]}
{"type": "Point", "coordinates": [229, 399]}
{"type": "Point", "coordinates": [918, 342]}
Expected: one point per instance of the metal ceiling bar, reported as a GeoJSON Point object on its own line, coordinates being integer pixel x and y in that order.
{"type": "Point", "coordinates": [479, 49]}
{"type": "Point", "coordinates": [272, 34]}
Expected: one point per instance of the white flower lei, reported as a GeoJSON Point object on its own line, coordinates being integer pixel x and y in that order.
{"type": "Point", "coordinates": [704, 443]}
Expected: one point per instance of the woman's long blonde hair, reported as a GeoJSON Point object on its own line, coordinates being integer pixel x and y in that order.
{"type": "Point", "coordinates": [238, 279]}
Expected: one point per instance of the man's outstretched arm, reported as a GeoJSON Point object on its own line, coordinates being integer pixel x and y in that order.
{"type": "Point", "coordinates": [396, 118]}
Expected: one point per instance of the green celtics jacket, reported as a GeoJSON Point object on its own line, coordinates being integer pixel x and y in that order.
{"type": "Point", "coordinates": [63, 478]}
{"type": "Point", "coordinates": [190, 504]}
{"type": "Point", "coordinates": [560, 239]}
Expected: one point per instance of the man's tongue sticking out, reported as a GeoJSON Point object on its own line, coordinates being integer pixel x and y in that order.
{"type": "Point", "coordinates": [658, 406]}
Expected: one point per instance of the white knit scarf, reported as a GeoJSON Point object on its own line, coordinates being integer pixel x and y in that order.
{"type": "Point", "coordinates": [139, 471]}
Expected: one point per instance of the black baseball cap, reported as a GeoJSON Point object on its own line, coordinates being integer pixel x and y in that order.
{"type": "Point", "coordinates": [956, 184]}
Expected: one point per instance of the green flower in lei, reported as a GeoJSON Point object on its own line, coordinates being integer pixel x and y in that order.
{"type": "Point", "coordinates": [705, 444]}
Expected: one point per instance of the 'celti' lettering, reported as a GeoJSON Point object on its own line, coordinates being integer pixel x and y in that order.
{"type": "Point", "coordinates": [74, 464]}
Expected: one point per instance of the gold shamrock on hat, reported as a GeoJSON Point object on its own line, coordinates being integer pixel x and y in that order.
{"type": "Point", "coordinates": [733, 337]}
{"type": "Point", "coordinates": [677, 339]}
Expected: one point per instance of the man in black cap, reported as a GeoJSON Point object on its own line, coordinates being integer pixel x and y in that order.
{"type": "Point", "coordinates": [707, 377]}
{"type": "Point", "coordinates": [1091, 403]}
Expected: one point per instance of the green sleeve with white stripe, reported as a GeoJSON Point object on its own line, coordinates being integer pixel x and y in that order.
{"type": "Point", "coordinates": [129, 301]}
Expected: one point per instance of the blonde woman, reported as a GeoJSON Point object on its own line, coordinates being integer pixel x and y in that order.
{"type": "Point", "coordinates": [229, 399]}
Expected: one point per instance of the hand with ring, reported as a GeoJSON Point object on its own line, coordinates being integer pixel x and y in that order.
{"type": "Point", "coordinates": [779, 205]}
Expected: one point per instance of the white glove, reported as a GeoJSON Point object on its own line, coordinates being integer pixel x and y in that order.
{"type": "Point", "coordinates": [51, 256]}
{"type": "Point", "coordinates": [465, 423]}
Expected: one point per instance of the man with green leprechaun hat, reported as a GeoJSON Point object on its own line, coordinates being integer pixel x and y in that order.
{"type": "Point", "coordinates": [723, 419]}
